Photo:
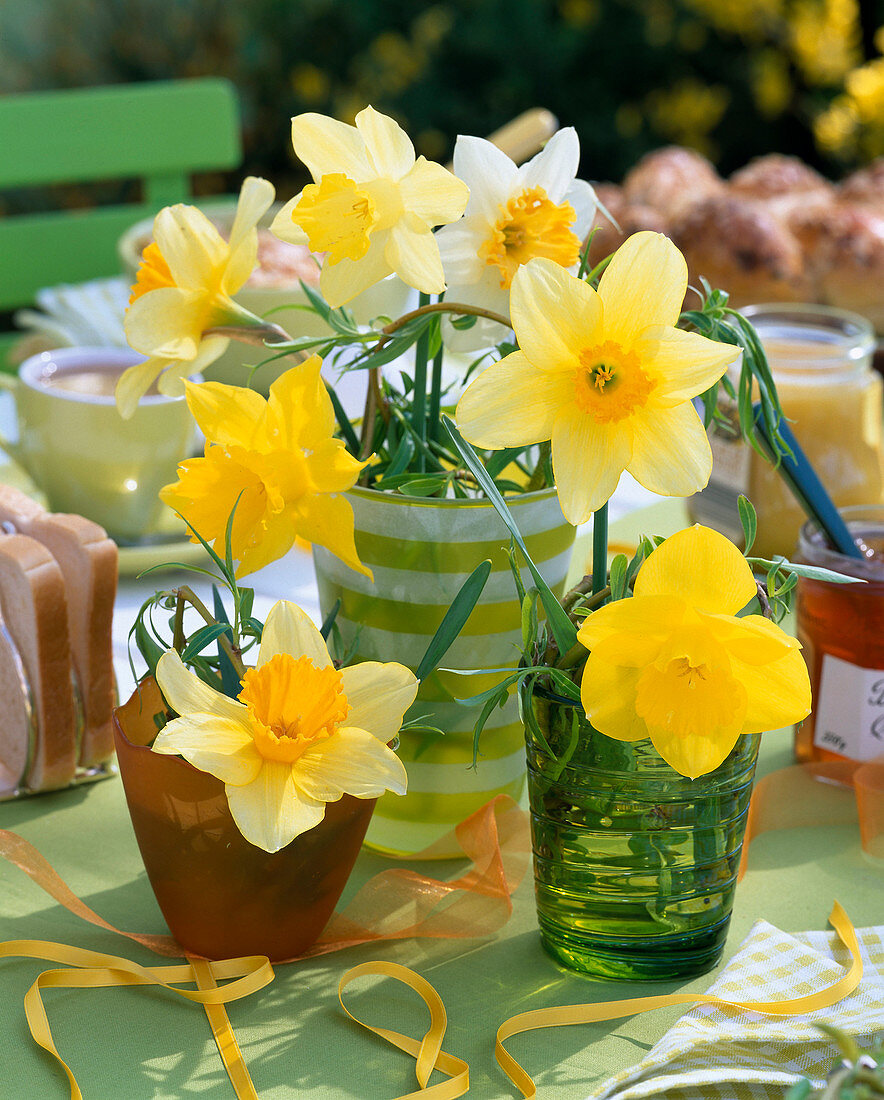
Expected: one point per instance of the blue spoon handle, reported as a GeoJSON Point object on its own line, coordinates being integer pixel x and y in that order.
{"type": "Point", "coordinates": [807, 488]}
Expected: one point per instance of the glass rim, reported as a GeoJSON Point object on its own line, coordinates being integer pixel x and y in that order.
{"type": "Point", "coordinates": [860, 329]}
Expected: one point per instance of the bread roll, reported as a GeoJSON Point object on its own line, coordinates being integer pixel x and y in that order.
{"type": "Point", "coordinates": [865, 187]}
{"type": "Point", "coordinates": [671, 179]}
{"type": "Point", "coordinates": [741, 248]}
{"type": "Point", "coordinates": [783, 185]}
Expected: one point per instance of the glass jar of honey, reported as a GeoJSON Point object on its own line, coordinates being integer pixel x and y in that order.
{"type": "Point", "coordinates": [821, 363]}
{"type": "Point", "coordinates": [841, 629]}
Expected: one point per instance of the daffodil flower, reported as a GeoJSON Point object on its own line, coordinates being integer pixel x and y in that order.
{"type": "Point", "coordinates": [184, 287]}
{"type": "Point", "coordinates": [514, 215]}
{"type": "Point", "coordinates": [372, 206]}
{"type": "Point", "coordinates": [276, 460]}
{"type": "Point", "coordinates": [606, 376]}
{"type": "Point", "coordinates": [675, 664]}
{"type": "Point", "coordinates": [299, 735]}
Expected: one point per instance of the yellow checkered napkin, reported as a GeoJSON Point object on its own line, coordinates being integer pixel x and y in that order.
{"type": "Point", "coordinates": [725, 1054]}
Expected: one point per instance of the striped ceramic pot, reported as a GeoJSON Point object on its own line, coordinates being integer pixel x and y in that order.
{"type": "Point", "coordinates": [420, 552]}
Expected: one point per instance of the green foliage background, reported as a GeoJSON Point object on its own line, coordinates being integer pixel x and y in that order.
{"type": "Point", "coordinates": [733, 78]}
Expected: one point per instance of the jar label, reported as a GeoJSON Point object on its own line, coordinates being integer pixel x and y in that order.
{"type": "Point", "coordinates": [850, 709]}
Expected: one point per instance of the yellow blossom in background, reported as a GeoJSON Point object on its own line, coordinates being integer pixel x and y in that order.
{"type": "Point", "coordinates": [184, 287]}
{"type": "Point", "coordinates": [824, 39]}
{"type": "Point", "coordinates": [299, 735]}
{"type": "Point", "coordinates": [674, 664]}
{"type": "Point", "coordinates": [687, 112]}
{"type": "Point", "coordinates": [606, 376]}
{"type": "Point", "coordinates": [372, 207]}
{"type": "Point", "coordinates": [277, 462]}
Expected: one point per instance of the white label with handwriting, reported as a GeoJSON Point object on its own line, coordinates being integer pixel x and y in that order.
{"type": "Point", "coordinates": [850, 710]}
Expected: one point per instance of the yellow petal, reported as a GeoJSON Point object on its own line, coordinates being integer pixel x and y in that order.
{"type": "Point", "coordinates": [779, 692]}
{"type": "Point", "coordinates": [682, 363]}
{"type": "Point", "coordinates": [433, 193]}
{"type": "Point", "coordinates": [326, 145]}
{"type": "Point", "coordinates": [191, 245]}
{"type": "Point", "coordinates": [171, 382]}
{"type": "Point", "coordinates": [331, 467]}
{"type": "Point", "coordinates": [670, 450]}
{"type": "Point", "coordinates": [694, 754]}
{"type": "Point", "coordinates": [412, 252]}
{"type": "Point", "coordinates": [512, 404]}
{"type": "Point", "coordinates": [387, 145]}
{"type": "Point", "coordinates": [186, 693]}
{"type": "Point", "coordinates": [608, 696]}
{"type": "Point", "coordinates": [270, 811]}
{"type": "Point", "coordinates": [274, 540]}
{"type": "Point", "coordinates": [650, 617]}
{"type": "Point", "coordinates": [222, 748]}
{"type": "Point", "coordinates": [352, 762]}
{"type": "Point", "coordinates": [643, 285]}
{"type": "Point", "coordinates": [283, 227]}
{"type": "Point", "coordinates": [328, 520]}
{"type": "Point", "coordinates": [588, 459]}
{"type": "Point", "coordinates": [554, 315]}
{"type": "Point", "coordinates": [300, 406]}
{"type": "Point", "coordinates": [701, 567]}
{"type": "Point", "coordinates": [288, 629]}
{"type": "Point", "coordinates": [167, 322]}
{"type": "Point", "coordinates": [255, 198]}
{"type": "Point", "coordinates": [751, 638]}
{"type": "Point", "coordinates": [134, 383]}
{"type": "Point", "coordinates": [379, 695]}
{"type": "Point", "coordinates": [342, 282]}
{"type": "Point", "coordinates": [226, 414]}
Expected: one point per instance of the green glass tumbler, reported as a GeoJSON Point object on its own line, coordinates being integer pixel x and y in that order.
{"type": "Point", "coordinates": [635, 865]}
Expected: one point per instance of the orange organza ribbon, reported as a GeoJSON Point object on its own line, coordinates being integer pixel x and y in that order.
{"type": "Point", "coordinates": [394, 904]}
{"type": "Point", "coordinates": [830, 793]}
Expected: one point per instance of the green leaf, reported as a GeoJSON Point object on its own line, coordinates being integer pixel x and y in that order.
{"type": "Point", "coordinates": [619, 567]}
{"type": "Point", "coordinates": [147, 646]}
{"type": "Point", "coordinates": [461, 608]}
{"type": "Point", "coordinates": [202, 638]}
{"type": "Point", "coordinates": [329, 621]}
{"type": "Point", "coordinates": [748, 521]}
{"type": "Point", "coordinates": [230, 681]}
{"type": "Point", "coordinates": [813, 572]}
{"type": "Point", "coordinates": [343, 420]}
{"type": "Point", "coordinates": [463, 321]}
{"type": "Point", "coordinates": [563, 630]}
{"type": "Point", "coordinates": [423, 486]}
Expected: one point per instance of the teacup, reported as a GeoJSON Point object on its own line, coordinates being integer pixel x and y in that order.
{"type": "Point", "coordinates": [79, 451]}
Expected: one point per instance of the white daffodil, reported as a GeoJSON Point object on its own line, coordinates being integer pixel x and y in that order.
{"type": "Point", "coordinates": [514, 215]}
{"type": "Point", "coordinates": [301, 733]}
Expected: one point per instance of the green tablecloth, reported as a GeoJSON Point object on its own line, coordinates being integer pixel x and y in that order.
{"type": "Point", "coordinates": [140, 1044]}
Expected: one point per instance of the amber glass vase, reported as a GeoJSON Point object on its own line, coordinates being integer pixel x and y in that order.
{"type": "Point", "coordinates": [220, 895]}
{"type": "Point", "coordinates": [635, 866]}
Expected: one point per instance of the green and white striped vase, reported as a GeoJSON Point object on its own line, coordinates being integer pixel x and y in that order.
{"type": "Point", "coordinates": [420, 552]}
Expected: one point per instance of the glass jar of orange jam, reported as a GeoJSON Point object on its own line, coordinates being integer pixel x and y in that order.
{"type": "Point", "coordinates": [821, 363]}
{"type": "Point", "coordinates": [841, 629]}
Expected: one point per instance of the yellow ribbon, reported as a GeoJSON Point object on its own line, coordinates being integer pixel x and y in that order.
{"type": "Point", "coordinates": [428, 1053]}
{"type": "Point", "coordinates": [95, 970]}
{"type": "Point", "coordinates": [612, 1010]}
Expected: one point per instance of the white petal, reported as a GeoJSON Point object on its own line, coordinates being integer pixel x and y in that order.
{"type": "Point", "coordinates": [352, 762]}
{"type": "Point", "coordinates": [379, 695]}
{"type": "Point", "coordinates": [459, 246]}
{"type": "Point", "coordinates": [489, 173]}
{"type": "Point", "coordinates": [270, 812]}
{"type": "Point", "coordinates": [186, 693]}
{"type": "Point", "coordinates": [583, 198]}
{"type": "Point", "coordinates": [288, 629]}
{"type": "Point", "coordinates": [555, 166]}
{"type": "Point", "coordinates": [222, 748]}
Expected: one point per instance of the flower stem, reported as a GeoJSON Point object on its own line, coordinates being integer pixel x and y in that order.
{"type": "Point", "coordinates": [600, 548]}
{"type": "Point", "coordinates": [419, 405]}
{"type": "Point", "coordinates": [232, 651]}
{"type": "Point", "coordinates": [459, 308]}
{"type": "Point", "coordinates": [435, 397]}
{"type": "Point", "coordinates": [538, 478]}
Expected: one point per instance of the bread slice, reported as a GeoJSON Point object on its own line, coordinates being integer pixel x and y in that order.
{"type": "Point", "coordinates": [18, 716]}
{"type": "Point", "coordinates": [33, 606]}
{"type": "Point", "coordinates": [88, 562]}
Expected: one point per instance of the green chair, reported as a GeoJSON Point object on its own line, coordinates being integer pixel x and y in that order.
{"type": "Point", "coordinates": [157, 133]}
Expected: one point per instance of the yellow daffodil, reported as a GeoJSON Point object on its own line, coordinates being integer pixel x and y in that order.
{"type": "Point", "coordinates": [514, 214]}
{"type": "Point", "coordinates": [606, 376]}
{"type": "Point", "coordinates": [184, 287]}
{"type": "Point", "coordinates": [372, 206]}
{"type": "Point", "coordinates": [278, 459]}
{"type": "Point", "coordinates": [300, 734]}
{"type": "Point", "coordinates": [675, 664]}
